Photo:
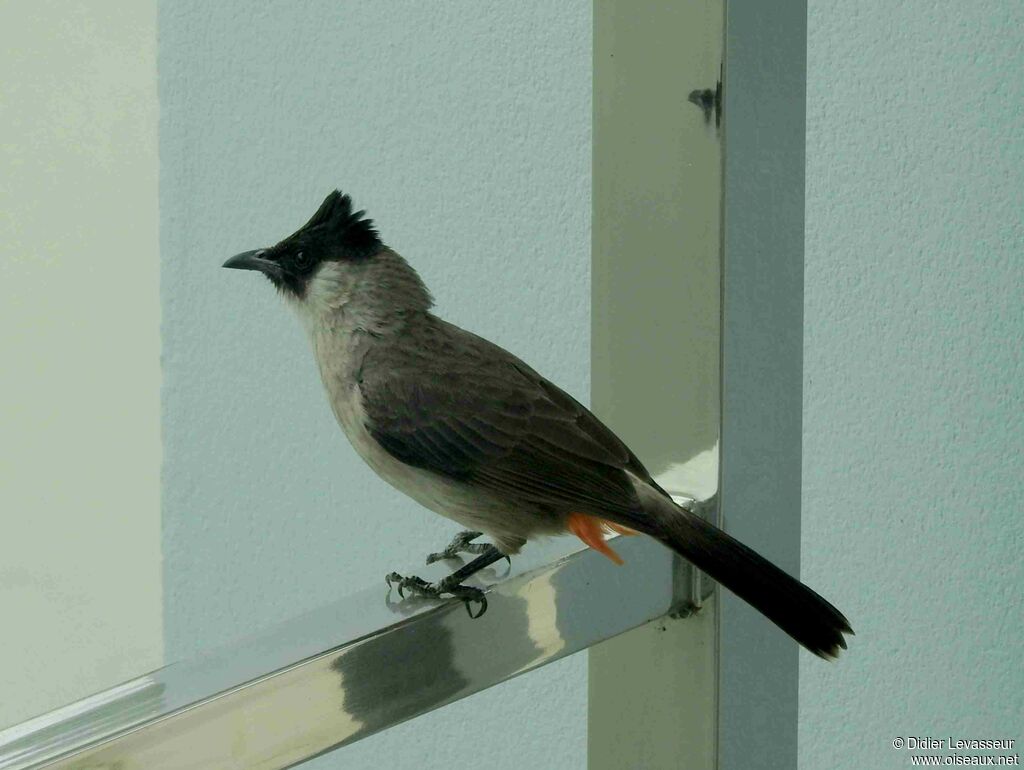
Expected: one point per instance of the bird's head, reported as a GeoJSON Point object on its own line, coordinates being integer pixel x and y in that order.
{"type": "Point", "coordinates": [334, 234]}
{"type": "Point", "coordinates": [336, 260]}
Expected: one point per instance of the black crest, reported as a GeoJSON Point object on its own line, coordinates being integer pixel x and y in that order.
{"type": "Point", "coordinates": [337, 224]}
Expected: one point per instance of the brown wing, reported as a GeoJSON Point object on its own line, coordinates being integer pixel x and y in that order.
{"type": "Point", "coordinates": [454, 404]}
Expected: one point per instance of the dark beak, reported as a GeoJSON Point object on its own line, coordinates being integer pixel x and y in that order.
{"type": "Point", "coordinates": [253, 260]}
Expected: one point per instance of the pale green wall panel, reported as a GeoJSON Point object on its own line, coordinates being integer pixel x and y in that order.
{"type": "Point", "coordinates": [914, 382]}
{"type": "Point", "coordinates": [464, 129]}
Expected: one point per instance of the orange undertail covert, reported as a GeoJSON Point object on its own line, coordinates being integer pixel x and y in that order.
{"type": "Point", "coordinates": [591, 530]}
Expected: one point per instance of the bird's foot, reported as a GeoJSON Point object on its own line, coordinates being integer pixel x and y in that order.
{"type": "Point", "coordinates": [418, 585]}
{"type": "Point", "coordinates": [461, 543]}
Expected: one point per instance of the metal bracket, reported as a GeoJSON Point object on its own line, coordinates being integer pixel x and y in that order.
{"type": "Point", "coordinates": [691, 586]}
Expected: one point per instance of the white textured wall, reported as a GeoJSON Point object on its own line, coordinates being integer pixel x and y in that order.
{"type": "Point", "coordinates": [80, 345]}
{"type": "Point", "coordinates": [464, 129]}
{"type": "Point", "coordinates": [914, 382]}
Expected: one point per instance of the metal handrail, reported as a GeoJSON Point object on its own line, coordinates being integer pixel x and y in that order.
{"type": "Point", "coordinates": [358, 666]}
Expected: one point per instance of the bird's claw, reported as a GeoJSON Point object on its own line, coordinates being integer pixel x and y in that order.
{"type": "Point", "coordinates": [468, 595]}
{"type": "Point", "coordinates": [461, 543]}
{"type": "Point", "coordinates": [417, 585]}
{"type": "Point", "coordinates": [412, 583]}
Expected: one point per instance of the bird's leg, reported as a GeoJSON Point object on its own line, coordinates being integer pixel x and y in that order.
{"type": "Point", "coordinates": [460, 544]}
{"type": "Point", "coordinates": [452, 584]}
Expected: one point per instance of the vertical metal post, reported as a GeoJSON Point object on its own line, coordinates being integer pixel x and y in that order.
{"type": "Point", "coordinates": [657, 190]}
{"type": "Point", "coordinates": [762, 364]}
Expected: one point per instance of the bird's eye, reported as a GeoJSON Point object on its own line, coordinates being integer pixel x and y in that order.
{"type": "Point", "coordinates": [301, 260]}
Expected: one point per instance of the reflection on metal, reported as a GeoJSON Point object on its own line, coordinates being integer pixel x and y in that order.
{"type": "Point", "coordinates": [351, 669]}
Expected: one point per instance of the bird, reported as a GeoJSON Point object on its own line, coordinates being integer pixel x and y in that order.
{"type": "Point", "coordinates": [471, 432]}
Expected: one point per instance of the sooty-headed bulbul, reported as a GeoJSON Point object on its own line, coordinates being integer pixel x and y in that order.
{"type": "Point", "coordinates": [471, 432]}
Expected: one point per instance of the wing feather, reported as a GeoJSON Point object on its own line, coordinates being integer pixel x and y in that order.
{"type": "Point", "coordinates": [477, 414]}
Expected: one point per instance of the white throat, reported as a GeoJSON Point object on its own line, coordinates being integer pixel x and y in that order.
{"type": "Point", "coordinates": [328, 296]}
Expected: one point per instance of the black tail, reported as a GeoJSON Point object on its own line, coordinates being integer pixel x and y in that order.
{"type": "Point", "coordinates": [784, 600]}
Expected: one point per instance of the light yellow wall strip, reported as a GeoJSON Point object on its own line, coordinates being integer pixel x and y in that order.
{"type": "Point", "coordinates": [80, 575]}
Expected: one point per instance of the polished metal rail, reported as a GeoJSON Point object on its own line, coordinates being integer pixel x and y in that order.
{"type": "Point", "coordinates": [355, 667]}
